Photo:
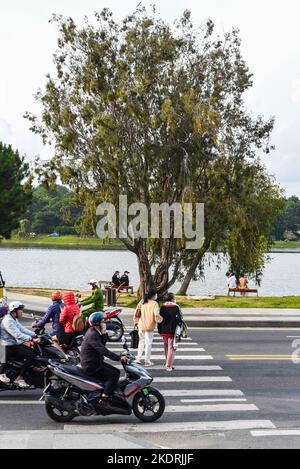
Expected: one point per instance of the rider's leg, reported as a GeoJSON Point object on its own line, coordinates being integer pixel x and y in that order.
{"type": "Point", "coordinates": [56, 344]}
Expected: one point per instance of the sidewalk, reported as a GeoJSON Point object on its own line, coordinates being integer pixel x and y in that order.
{"type": "Point", "coordinates": [68, 439]}
{"type": "Point", "coordinates": [198, 317]}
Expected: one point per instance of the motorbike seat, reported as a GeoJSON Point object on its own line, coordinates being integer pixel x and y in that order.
{"type": "Point", "coordinates": [77, 371]}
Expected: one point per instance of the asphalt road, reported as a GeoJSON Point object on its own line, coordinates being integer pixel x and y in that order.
{"type": "Point", "coordinates": [231, 389]}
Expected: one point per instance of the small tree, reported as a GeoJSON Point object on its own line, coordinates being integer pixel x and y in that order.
{"type": "Point", "coordinates": [15, 189]}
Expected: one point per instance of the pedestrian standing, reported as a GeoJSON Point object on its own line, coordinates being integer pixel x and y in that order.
{"type": "Point", "coordinates": [147, 316]}
{"type": "Point", "coordinates": [172, 317]}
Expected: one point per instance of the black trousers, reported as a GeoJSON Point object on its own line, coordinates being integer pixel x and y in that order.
{"type": "Point", "coordinates": [21, 352]}
{"type": "Point", "coordinates": [109, 376]}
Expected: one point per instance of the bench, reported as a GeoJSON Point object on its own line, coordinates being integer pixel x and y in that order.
{"type": "Point", "coordinates": [242, 290]}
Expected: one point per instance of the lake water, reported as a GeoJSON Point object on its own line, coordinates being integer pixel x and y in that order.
{"type": "Point", "coordinates": [72, 269]}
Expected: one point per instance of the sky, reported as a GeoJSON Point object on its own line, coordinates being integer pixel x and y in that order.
{"type": "Point", "coordinates": [271, 47]}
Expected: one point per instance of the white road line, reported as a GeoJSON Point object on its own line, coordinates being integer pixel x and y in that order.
{"type": "Point", "coordinates": [199, 401]}
{"type": "Point", "coordinates": [194, 379]}
{"type": "Point", "coordinates": [20, 402]}
{"type": "Point", "coordinates": [183, 357]}
{"type": "Point", "coordinates": [211, 408]}
{"type": "Point", "coordinates": [228, 425]}
{"type": "Point", "coordinates": [201, 392]}
{"type": "Point", "coordinates": [118, 349]}
{"type": "Point", "coordinates": [180, 368]}
{"type": "Point", "coordinates": [276, 433]}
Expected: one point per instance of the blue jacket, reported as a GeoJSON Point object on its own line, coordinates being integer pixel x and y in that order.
{"type": "Point", "coordinates": [53, 315]}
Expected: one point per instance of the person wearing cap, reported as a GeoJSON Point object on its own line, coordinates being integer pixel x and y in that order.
{"type": "Point", "coordinates": [14, 337]}
{"type": "Point", "coordinates": [96, 299]}
{"type": "Point", "coordinates": [53, 315]}
{"type": "Point", "coordinates": [124, 280]}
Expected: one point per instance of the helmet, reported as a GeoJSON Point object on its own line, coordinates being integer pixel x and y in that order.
{"type": "Point", "coordinates": [95, 318]}
{"type": "Point", "coordinates": [56, 295]}
{"type": "Point", "coordinates": [15, 305]}
{"type": "Point", "coordinates": [93, 282]}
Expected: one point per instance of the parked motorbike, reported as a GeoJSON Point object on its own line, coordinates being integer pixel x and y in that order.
{"type": "Point", "coordinates": [71, 393]}
{"type": "Point", "coordinates": [37, 374]}
{"type": "Point", "coordinates": [114, 325]}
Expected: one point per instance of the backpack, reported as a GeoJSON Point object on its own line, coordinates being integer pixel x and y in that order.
{"type": "Point", "coordinates": [78, 323]}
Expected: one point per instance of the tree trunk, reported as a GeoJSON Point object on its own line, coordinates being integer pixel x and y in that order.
{"type": "Point", "coordinates": [146, 278]}
{"type": "Point", "coordinates": [190, 274]}
{"type": "Point", "coordinates": [191, 271]}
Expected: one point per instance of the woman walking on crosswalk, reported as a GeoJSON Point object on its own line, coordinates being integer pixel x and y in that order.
{"type": "Point", "coordinates": [147, 316]}
{"type": "Point", "coordinates": [172, 317]}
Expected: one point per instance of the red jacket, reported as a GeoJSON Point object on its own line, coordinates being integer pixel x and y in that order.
{"type": "Point", "coordinates": [70, 310]}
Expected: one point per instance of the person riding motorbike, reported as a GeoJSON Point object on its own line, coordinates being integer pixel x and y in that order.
{"type": "Point", "coordinates": [96, 299]}
{"type": "Point", "coordinates": [70, 310]}
{"type": "Point", "coordinates": [53, 314]}
{"type": "Point", "coordinates": [93, 353]}
{"type": "Point", "coordinates": [14, 337]}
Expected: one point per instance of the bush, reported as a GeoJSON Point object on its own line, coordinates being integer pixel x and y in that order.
{"type": "Point", "coordinates": [66, 230]}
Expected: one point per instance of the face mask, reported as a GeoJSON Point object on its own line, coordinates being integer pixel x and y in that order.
{"type": "Point", "coordinates": [103, 327]}
{"type": "Point", "coordinates": [91, 287]}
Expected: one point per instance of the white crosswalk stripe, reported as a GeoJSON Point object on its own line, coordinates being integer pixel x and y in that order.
{"type": "Point", "coordinates": [194, 379]}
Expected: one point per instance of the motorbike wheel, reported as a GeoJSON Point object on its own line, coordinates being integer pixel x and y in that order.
{"type": "Point", "coordinates": [149, 408]}
{"type": "Point", "coordinates": [60, 416]}
{"type": "Point", "coordinates": [118, 329]}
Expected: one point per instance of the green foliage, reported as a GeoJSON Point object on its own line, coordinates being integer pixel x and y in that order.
{"type": "Point", "coordinates": [289, 219]}
{"type": "Point", "coordinates": [15, 187]}
{"type": "Point", "coordinates": [53, 209]}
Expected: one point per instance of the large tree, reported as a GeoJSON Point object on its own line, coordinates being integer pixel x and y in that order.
{"type": "Point", "coordinates": [15, 190]}
{"type": "Point", "coordinates": [153, 112]}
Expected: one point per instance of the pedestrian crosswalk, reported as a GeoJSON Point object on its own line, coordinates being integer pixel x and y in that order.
{"type": "Point", "coordinates": [196, 394]}
{"type": "Point", "coordinates": [199, 397]}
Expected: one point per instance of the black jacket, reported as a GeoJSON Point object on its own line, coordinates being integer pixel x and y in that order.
{"type": "Point", "coordinates": [93, 351]}
{"type": "Point", "coordinates": [116, 280]}
{"type": "Point", "coordinates": [124, 280]}
{"type": "Point", "coordinates": [172, 318]}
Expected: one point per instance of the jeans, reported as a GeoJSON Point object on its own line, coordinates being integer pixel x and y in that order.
{"type": "Point", "coordinates": [145, 342]}
{"type": "Point", "coordinates": [169, 351]}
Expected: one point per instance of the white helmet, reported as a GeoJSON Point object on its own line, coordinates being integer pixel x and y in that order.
{"type": "Point", "coordinates": [93, 282]}
{"type": "Point", "coordinates": [15, 305]}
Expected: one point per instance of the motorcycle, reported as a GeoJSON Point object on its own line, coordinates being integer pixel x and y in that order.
{"type": "Point", "coordinates": [72, 351]}
{"type": "Point", "coordinates": [114, 325]}
{"type": "Point", "coordinates": [37, 374]}
{"type": "Point", "coordinates": [70, 393]}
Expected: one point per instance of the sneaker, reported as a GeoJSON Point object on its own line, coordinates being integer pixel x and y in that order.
{"type": "Point", "coordinates": [21, 384]}
{"type": "Point", "coordinates": [147, 365]}
{"type": "Point", "coordinates": [4, 379]}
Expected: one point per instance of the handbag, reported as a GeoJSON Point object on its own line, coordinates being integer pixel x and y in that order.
{"type": "Point", "coordinates": [134, 338]}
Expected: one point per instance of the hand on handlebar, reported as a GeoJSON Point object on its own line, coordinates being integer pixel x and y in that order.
{"type": "Point", "coordinates": [36, 341]}
{"type": "Point", "coordinates": [125, 359]}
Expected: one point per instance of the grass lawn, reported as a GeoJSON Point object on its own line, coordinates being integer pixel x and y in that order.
{"type": "Point", "coordinates": [130, 301]}
{"type": "Point", "coordinates": [64, 242]}
{"type": "Point", "coordinates": [75, 242]}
